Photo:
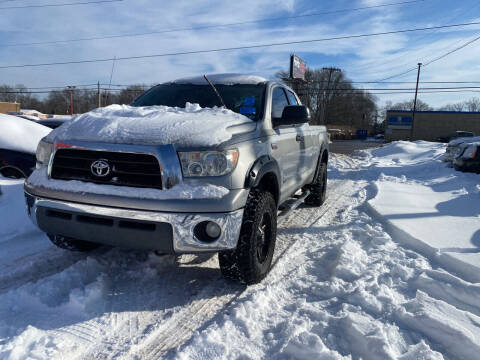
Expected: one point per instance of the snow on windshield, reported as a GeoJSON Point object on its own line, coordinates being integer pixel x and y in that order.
{"type": "Point", "coordinates": [224, 79]}
{"type": "Point", "coordinates": [20, 134]}
{"type": "Point", "coordinates": [157, 125]}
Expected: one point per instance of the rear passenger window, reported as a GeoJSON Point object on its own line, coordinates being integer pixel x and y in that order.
{"type": "Point", "coordinates": [279, 101]}
{"type": "Point", "coordinates": [291, 98]}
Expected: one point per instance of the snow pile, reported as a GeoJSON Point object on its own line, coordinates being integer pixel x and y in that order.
{"type": "Point", "coordinates": [180, 191]}
{"type": "Point", "coordinates": [152, 125]}
{"type": "Point", "coordinates": [343, 286]}
{"type": "Point", "coordinates": [430, 206]}
{"type": "Point", "coordinates": [13, 213]}
{"type": "Point", "coordinates": [20, 134]}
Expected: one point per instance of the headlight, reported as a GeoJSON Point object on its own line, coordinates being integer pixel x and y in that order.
{"type": "Point", "coordinates": [44, 150]}
{"type": "Point", "coordinates": [208, 163]}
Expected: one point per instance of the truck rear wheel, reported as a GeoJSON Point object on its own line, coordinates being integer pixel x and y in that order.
{"type": "Point", "coordinates": [72, 244]}
{"type": "Point", "coordinates": [318, 188]}
{"type": "Point", "coordinates": [250, 262]}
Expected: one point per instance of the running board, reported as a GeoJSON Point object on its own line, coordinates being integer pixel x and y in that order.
{"type": "Point", "coordinates": [288, 208]}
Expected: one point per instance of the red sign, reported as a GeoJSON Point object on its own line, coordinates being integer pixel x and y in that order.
{"type": "Point", "coordinates": [298, 66]}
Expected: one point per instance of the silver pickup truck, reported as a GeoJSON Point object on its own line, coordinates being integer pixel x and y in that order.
{"type": "Point", "coordinates": [94, 190]}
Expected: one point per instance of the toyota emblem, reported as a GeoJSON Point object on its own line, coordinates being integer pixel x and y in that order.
{"type": "Point", "coordinates": [100, 168]}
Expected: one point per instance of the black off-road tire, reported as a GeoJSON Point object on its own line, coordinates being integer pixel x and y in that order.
{"type": "Point", "coordinates": [67, 243]}
{"type": "Point", "coordinates": [318, 188]}
{"type": "Point", "coordinates": [250, 262]}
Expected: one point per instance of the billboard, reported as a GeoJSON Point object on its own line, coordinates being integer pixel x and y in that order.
{"type": "Point", "coordinates": [298, 66]}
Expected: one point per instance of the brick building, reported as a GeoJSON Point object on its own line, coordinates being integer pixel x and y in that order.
{"type": "Point", "coordinates": [9, 107]}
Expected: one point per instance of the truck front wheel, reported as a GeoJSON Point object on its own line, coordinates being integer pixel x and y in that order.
{"type": "Point", "coordinates": [67, 243]}
{"type": "Point", "coordinates": [250, 262]}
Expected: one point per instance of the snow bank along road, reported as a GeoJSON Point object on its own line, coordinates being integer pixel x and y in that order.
{"type": "Point", "coordinates": [344, 284]}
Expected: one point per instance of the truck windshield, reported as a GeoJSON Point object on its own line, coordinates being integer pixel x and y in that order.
{"type": "Point", "coordinates": [243, 99]}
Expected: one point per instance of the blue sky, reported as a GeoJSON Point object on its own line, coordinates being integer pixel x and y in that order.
{"type": "Point", "coordinates": [362, 59]}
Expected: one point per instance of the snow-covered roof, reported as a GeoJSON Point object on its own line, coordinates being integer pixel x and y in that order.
{"type": "Point", "coordinates": [223, 79]}
{"type": "Point", "coordinates": [20, 135]}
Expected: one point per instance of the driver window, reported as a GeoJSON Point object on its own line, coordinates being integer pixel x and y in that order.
{"type": "Point", "coordinates": [279, 101]}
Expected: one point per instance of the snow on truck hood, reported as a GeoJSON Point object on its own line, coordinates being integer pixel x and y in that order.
{"type": "Point", "coordinates": [152, 125]}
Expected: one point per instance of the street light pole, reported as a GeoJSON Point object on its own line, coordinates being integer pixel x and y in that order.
{"type": "Point", "coordinates": [71, 88]}
{"type": "Point", "coordinates": [415, 102]}
{"type": "Point", "coordinates": [99, 95]}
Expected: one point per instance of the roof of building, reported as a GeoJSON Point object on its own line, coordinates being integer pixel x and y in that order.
{"type": "Point", "coordinates": [433, 112]}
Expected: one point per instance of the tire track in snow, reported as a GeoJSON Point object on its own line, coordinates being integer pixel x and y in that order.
{"type": "Point", "coordinates": [179, 329]}
{"type": "Point", "coordinates": [127, 326]}
{"type": "Point", "coordinates": [39, 265]}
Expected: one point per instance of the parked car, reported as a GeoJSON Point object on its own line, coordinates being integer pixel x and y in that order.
{"type": "Point", "coordinates": [54, 122]}
{"type": "Point", "coordinates": [454, 146]}
{"type": "Point", "coordinates": [468, 158]}
{"type": "Point", "coordinates": [455, 135]}
{"type": "Point", "coordinates": [139, 167]}
{"type": "Point", "coordinates": [18, 143]}
{"type": "Point", "coordinates": [337, 134]}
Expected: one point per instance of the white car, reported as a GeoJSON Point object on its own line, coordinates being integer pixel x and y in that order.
{"type": "Point", "coordinates": [18, 143]}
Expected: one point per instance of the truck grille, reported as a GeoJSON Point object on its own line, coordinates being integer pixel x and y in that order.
{"type": "Point", "coordinates": [116, 168]}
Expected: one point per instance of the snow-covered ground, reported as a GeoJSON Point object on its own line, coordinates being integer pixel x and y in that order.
{"type": "Point", "coordinates": [359, 277]}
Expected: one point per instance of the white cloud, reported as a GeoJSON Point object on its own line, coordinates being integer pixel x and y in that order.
{"type": "Point", "coordinates": [363, 58]}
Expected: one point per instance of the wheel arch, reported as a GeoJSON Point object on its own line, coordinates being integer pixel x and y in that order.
{"type": "Point", "coordinates": [265, 174]}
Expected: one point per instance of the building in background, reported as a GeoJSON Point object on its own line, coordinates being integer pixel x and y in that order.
{"type": "Point", "coordinates": [9, 107]}
{"type": "Point", "coordinates": [429, 125]}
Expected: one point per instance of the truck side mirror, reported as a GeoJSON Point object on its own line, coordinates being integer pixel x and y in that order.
{"type": "Point", "coordinates": [293, 114]}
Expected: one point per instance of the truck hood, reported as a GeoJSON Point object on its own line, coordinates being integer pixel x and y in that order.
{"type": "Point", "coordinates": [191, 126]}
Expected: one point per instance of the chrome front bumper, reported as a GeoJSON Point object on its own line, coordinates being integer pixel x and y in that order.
{"type": "Point", "coordinates": [182, 236]}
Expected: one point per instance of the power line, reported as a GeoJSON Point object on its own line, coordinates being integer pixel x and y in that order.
{"type": "Point", "coordinates": [435, 59]}
{"type": "Point", "coordinates": [126, 86]}
{"type": "Point", "coordinates": [452, 51]}
{"type": "Point", "coordinates": [241, 47]}
{"type": "Point", "coordinates": [417, 40]}
{"type": "Point", "coordinates": [58, 5]}
{"type": "Point", "coordinates": [301, 91]}
{"type": "Point", "coordinates": [204, 27]}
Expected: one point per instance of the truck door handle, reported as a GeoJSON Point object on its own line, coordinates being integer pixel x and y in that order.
{"type": "Point", "coordinates": [300, 138]}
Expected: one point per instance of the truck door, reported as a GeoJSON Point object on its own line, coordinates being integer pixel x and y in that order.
{"type": "Point", "coordinates": [308, 151]}
{"type": "Point", "coordinates": [285, 147]}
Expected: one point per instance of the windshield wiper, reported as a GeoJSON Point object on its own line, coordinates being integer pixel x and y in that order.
{"type": "Point", "coordinates": [216, 91]}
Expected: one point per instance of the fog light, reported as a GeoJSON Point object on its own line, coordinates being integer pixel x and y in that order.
{"type": "Point", "coordinates": [213, 230]}
{"type": "Point", "coordinates": [207, 231]}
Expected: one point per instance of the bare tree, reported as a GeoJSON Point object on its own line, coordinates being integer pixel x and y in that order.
{"type": "Point", "coordinates": [332, 98]}
{"type": "Point", "coordinates": [473, 104]}
{"type": "Point", "coordinates": [58, 101]}
{"type": "Point", "coordinates": [408, 105]}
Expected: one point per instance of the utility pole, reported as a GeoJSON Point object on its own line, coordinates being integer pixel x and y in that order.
{"type": "Point", "coordinates": [415, 102]}
{"type": "Point", "coordinates": [330, 70]}
{"type": "Point", "coordinates": [99, 95]}
{"type": "Point", "coordinates": [71, 88]}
